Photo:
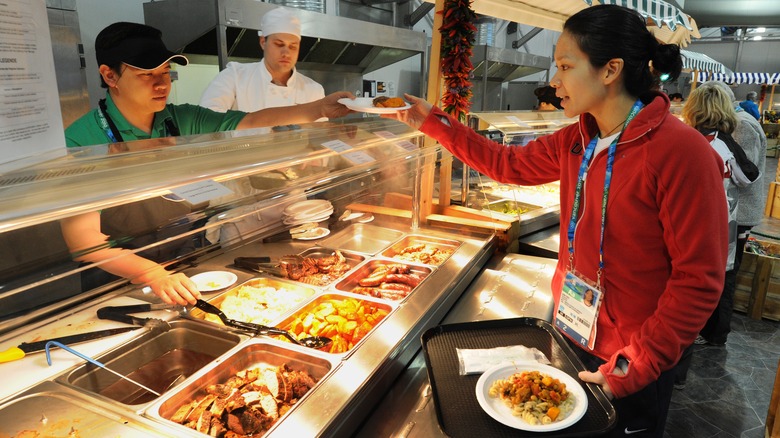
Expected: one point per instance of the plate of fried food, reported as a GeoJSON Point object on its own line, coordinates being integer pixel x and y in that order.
{"type": "Point", "coordinates": [531, 396]}
{"type": "Point", "coordinates": [378, 105]}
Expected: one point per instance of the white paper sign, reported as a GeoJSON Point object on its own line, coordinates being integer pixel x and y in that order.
{"type": "Point", "coordinates": [517, 121]}
{"type": "Point", "coordinates": [201, 191]}
{"type": "Point", "coordinates": [30, 117]}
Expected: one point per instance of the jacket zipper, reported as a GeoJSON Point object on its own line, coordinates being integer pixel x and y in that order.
{"type": "Point", "coordinates": [585, 185]}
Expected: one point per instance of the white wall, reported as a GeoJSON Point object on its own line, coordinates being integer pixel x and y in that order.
{"type": "Point", "coordinates": [94, 16]}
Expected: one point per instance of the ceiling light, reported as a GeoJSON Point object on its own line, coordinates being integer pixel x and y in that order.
{"type": "Point", "coordinates": [760, 29]}
{"type": "Point", "coordinates": [757, 38]}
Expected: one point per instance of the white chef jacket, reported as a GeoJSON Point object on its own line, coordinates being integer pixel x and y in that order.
{"type": "Point", "coordinates": [248, 88]}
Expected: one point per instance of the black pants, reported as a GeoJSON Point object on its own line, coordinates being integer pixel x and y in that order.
{"type": "Point", "coordinates": [642, 414]}
{"type": "Point", "coordinates": [718, 326]}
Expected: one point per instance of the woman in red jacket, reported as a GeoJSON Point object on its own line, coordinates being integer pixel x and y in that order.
{"type": "Point", "coordinates": [643, 211]}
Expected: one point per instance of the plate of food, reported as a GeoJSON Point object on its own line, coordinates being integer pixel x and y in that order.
{"type": "Point", "coordinates": [504, 393]}
{"type": "Point", "coordinates": [378, 105]}
{"type": "Point", "coordinates": [213, 280]}
{"type": "Point", "coordinates": [314, 233]}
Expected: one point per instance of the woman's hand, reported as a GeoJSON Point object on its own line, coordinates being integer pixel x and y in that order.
{"type": "Point", "coordinates": [414, 116]}
{"type": "Point", "coordinates": [597, 378]}
{"type": "Point", "coordinates": [175, 289]}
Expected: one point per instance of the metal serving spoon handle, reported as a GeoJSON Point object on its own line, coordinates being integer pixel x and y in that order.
{"type": "Point", "coordinates": [312, 342]}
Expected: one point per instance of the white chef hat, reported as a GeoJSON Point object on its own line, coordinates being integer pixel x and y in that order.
{"type": "Point", "coordinates": [280, 20]}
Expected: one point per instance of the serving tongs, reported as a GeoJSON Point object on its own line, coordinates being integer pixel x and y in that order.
{"type": "Point", "coordinates": [258, 329]}
{"type": "Point", "coordinates": [124, 314]}
{"type": "Point", "coordinates": [288, 267]}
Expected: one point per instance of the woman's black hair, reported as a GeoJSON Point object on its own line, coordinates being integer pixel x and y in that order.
{"type": "Point", "coordinates": [113, 35]}
{"type": "Point", "coordinates": [606, 32]}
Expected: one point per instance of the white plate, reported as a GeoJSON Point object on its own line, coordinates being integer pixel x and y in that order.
{"type": "Point", "coordinates": [503, 413]}
{"type": "Point", "coordinates": [213, 280]}
{"type": "Point", "coordinates": [314, 234]}
{"type": "Point", "coordinates": [366, 218]}
{"type": "Point", "coordinates": [366, 105]}
{"type": "Point", "coordinates": [305, 207]}
{"type": "Point", "coordinates": [300, 217]}
{"type": "Point", "coordinates": [295, 222]}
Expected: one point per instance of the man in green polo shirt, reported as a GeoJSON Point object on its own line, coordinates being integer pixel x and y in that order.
{"type": "Point", "coordinates": [135, 68]}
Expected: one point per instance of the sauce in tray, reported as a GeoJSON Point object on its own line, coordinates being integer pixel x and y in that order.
{"type": "Point", "coordinates": [157, 375]}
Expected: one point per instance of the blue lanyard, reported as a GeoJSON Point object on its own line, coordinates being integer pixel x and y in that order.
{"type": "Point", "coordinates": [107, 124]}
{"type": "Point", "coordinates": [171, 130]}
{"type": "Point", "coordinates": [586, 159]}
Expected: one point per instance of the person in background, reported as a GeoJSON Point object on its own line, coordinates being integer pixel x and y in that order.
{"type": "Point", "coordinates": [272, 82]}
{"type": "Point", "coordinates": [649, 232]}
{"type": "Point", "coordinates": [134, 66]}
{"type": "Point", "coordinates": [710, 110]}
{"type": "Point", "coordinates": [751, 138]}
{"type": "Point", "coordinates": [676, 97]}
{"type": "Point", "coordinates": [750, 105]}
{"type": "Point", "coordinates": [548, 101]}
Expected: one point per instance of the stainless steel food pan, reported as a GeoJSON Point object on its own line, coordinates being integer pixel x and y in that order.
{"type": "Point", "coordinates": [352, 282]}
{"type": "Point", "coordinates": [511, 208]}
{"type": "Point", "coordinates": [320, 253]}
{"type": "Point", "coordinates": [363, 238]}
{"type": "Point", "coordinates": [351, 312]}
{"type": "Point", "coordinates": [49, 409]}
{"type": "Point", "coordinates": [153, 360]}
{"type": "Point", "coordinates": [432, 251]}
{"type": "Point", "coordinates": [253, 353]}
{"type": "Point", "coordinates": [271, 307]}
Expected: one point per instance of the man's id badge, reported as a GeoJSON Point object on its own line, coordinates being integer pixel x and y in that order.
{"type": "Point", "coordinates": [578, 310]}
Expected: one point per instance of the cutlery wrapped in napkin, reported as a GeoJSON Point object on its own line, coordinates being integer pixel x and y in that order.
{"type": "Point", "coordinates": [476, 361]}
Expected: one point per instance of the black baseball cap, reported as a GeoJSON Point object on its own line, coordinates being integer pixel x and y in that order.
{"type": "Point", "coordinates": [141, 48]}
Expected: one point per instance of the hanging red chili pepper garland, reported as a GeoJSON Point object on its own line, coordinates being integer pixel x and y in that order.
{"type": "Point", "coordinates": [457, 32]}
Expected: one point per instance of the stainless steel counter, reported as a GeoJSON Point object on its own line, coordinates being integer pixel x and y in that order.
{"type": "Point", "coordinates": [510, 285]}
{"type": "Point", "coordinates": [337, 405]}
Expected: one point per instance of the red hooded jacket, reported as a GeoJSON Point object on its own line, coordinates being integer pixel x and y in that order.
{"type": "Point", "coordinates": [666, 235]}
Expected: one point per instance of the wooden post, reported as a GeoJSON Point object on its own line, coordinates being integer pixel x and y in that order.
{"type": "Point", "coordinates": [772, 428]}
{"type": "Point", "coordinates": [760, 287]}
{"type": "Point", "coordinates": [433, 96]}
{"type": "Point", "coordinates": [695, 79]}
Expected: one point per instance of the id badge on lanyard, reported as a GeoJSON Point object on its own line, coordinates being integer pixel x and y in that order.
{"type": "Point", "coordinates": [580, 299]}
{"type": "Point", "coordinates": [578, 310]}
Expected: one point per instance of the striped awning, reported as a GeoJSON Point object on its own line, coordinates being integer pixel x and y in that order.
{"type": "Point", "coordinates": [664, 21]}
{"type": "Point", "coordinates": [658, 10]}
{"type": "Point", "coordinates": [740, 78]}
{"type": "Point", "coordinates": [693, 61]}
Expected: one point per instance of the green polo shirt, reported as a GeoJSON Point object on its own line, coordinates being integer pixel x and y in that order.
{"type": "Point", "coordinates": [190, 119]}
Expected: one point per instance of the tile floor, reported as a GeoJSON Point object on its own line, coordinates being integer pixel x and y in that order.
{"type": "Point", "coordinates": [728, 387]}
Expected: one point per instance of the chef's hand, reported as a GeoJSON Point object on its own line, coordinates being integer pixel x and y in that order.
{"type": "Point", "coordinates": [330, 106]}
{"type": "Point", "coordinates": [598, 378]}
{"type": "Point", "coordinates": [414, 116]}
{"type": "Point", "coordinates": [175, 289]}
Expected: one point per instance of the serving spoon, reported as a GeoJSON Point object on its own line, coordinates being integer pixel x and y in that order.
{"type": "Point", "coordinates": [258, 329]}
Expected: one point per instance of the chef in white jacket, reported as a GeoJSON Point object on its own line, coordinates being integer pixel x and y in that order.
{"type": "Point", "coordinates": [272, 82]}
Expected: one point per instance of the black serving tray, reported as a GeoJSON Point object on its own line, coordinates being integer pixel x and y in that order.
{"type": "Point", "coordinates": [457, 409]}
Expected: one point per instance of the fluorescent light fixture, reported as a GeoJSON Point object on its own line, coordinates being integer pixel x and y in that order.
{"type": "Point", "coordinates": [760, 29]}
{"type": "Point", "coordinates": [757, 38]}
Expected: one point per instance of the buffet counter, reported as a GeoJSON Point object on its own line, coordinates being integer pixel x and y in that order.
{"type": "Point", "coordinates": [509, 286]}
{"type": "Point", "coordinates": [273, 181]}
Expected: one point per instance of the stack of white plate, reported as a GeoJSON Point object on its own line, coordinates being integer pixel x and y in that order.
{"type": "Point", "coordinates": [313, 210]}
